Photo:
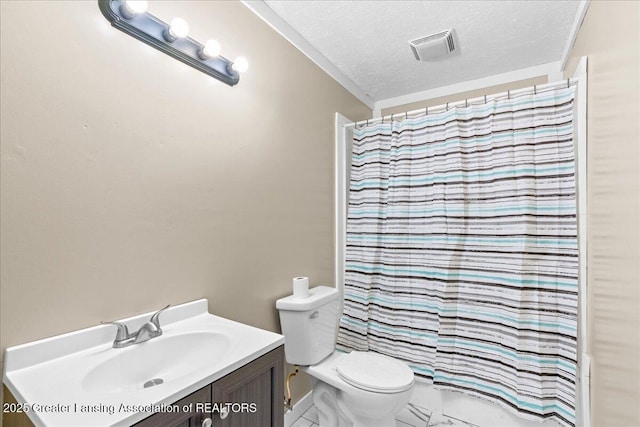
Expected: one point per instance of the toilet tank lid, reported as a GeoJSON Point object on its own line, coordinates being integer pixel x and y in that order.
{"type": "Point", "coordinates": [317, 296]}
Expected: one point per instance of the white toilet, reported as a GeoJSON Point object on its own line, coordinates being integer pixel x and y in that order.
{"type": "Point", "coordinates": [357, 389]}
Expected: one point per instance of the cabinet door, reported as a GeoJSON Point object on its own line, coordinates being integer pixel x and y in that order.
{"type": "Point", "coordinates": [193, 418]}
{"type": "Point", "coordinates": [261, 383]}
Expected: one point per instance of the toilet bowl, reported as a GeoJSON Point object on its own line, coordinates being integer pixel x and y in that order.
{"type": "Point", "coordinates": [360, 389]}
{"type": "Point", "coordinates": [357, 389]}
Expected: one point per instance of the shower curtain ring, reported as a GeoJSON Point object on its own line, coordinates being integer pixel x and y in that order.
{"type": "Point", "coordinates": [466, 103]}
{"type": "Point", "coordinates": [567, 83]}
{"type": "Point", "coordinates": [406, 115]}
{"type": "Point", "coordinates": [535, 89]}
{"type": "Point", "coordinates": [508, 94]}
{"type": "Point", "coordinates": [447, 107]}
{"type": "Point", "coordinates": [485, 99]}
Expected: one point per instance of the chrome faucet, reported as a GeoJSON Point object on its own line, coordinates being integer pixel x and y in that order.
{"type": "Point", "coordinates": [149, 330]}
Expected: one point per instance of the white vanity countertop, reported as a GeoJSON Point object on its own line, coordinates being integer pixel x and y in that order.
{"type": "Point", "coordinates": [59, 379]}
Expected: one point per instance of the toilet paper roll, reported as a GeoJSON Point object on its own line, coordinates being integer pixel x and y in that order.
{"type": "Point", "coordinates": [300, 287]}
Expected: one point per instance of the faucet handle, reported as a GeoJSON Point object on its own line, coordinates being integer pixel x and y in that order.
{"type": "Point", "coordinates": [123, 331]}
{"type": "Point", "coordinates": [155, 319]}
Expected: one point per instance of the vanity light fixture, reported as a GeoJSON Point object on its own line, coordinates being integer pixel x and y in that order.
{"type": "Point", "coordinates": [132, 18]}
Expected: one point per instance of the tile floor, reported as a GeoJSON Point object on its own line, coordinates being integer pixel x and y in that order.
{"type": "Point", "coordinates": [411, 416]}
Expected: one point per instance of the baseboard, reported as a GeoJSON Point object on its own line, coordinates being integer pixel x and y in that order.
{"type": "Point", "coordinates": [299, 408]}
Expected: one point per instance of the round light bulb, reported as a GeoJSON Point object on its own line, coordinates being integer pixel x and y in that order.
{"type": "Point", "coordinates": [211, 48]}
{"type": "Point", "coordinates": [136, 6]}
{"type": "Point", "coordinates": [240, 64]}
{"type": "Point", "coordinates": [179, 28]}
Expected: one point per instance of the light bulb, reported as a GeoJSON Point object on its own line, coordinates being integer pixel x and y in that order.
{"type": "Point", "coordinates": [136, 6]}
{"type": "Point", "coordinates": [240, 64]}
{"type": "Point", "coordinates": [211, 49]}
{"type": "Point", "coordinates": [130, 8]}
{"type": "Point", "coordinates": [179, 28]}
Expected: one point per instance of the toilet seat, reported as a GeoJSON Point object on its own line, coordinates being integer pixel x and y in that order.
{"type": "Point", "coordinates": [374, 372]}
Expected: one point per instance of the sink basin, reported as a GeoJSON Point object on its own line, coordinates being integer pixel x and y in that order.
{"type": "Point", "coordinates": [80, 369]}
{"type": "Point", "coordinates": [156, 362]}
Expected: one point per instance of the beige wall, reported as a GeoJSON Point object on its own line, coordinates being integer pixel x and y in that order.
{"type": "Point", "coordinates": [130, 180]}
{"type": "Point", "coordinates": [610, 36]}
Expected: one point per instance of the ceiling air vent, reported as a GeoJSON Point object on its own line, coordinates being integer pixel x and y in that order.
{"type": "Point", "coordinates": [435, 46]}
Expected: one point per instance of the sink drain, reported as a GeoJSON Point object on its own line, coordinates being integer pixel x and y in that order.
{"type": "Point", "coordinates": [151, 383]}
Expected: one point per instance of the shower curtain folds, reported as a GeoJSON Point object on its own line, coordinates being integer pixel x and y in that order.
{"type": "Point", "coordinates": [462, 255]}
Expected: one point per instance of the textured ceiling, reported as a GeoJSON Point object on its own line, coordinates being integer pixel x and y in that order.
{"type": "Point", "coordinates": [368, 40]}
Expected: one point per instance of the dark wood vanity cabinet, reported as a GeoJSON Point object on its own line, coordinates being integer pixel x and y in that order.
{"type": "Point", "coordinates": [182, 418]}
{"type": "Point", "coordinates": [259, 385]}
{"type": "Point", "coordinates": [252, 396]}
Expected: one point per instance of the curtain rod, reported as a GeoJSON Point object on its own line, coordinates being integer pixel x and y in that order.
{"type": "Point", "coordinates": [444, 107]}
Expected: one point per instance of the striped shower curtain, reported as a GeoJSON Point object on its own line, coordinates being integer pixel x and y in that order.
{"type": "Point", "coordinates": [462, 255]}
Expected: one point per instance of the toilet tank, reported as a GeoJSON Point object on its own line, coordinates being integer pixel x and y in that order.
{"type": "Point", "coordinates": [309, 325]}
